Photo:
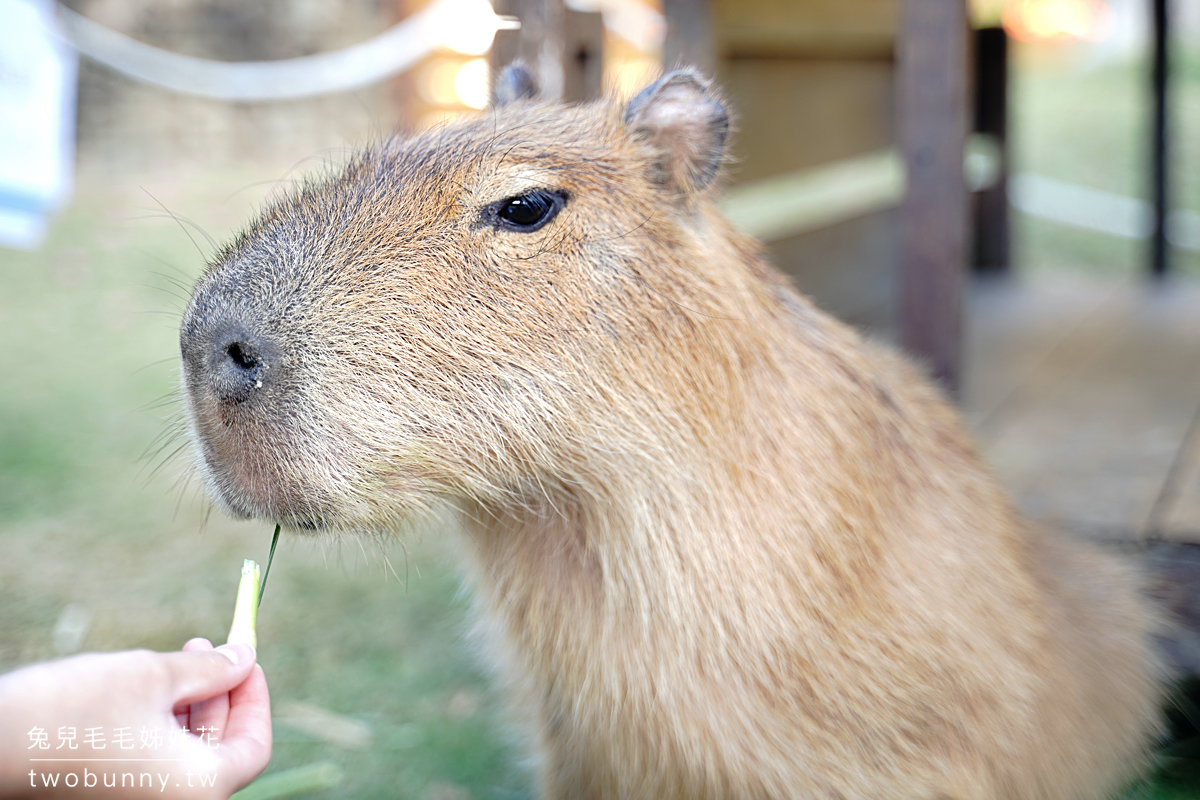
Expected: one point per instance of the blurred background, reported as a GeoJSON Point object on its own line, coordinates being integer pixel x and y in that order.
{"type": "Point", "coordinates": [131, 158]}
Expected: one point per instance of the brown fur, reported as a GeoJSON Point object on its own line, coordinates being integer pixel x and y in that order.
{"type": "Point", "coordinates": [724, 547]}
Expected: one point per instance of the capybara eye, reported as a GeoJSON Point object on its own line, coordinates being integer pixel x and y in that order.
{"type": "Point", "coordinates": [528, 212]}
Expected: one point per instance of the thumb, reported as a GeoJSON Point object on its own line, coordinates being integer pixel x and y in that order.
{"type": "Point", "coordinates": [199, 675]}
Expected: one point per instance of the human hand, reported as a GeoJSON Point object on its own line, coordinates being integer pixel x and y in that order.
{"type": "Point", "coordinates": [117, 718]}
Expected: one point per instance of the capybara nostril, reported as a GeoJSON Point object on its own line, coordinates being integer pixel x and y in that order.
{"type": "Point", "coordinates": [242, 355]}
{"type": "Point", "coordinates": [231, 362]}
{"type": "Point", "coordinates": [239, 368]}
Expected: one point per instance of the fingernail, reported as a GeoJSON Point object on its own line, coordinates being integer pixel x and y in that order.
{"type": "Point", "coordinates": [229, 652]}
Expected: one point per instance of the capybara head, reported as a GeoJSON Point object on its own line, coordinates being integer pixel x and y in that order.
{"type": "Point", "coordinates": [462, 313]}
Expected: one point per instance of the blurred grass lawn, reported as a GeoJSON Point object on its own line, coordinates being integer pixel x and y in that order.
{"type": "Point", "coordinates": [87, 380]}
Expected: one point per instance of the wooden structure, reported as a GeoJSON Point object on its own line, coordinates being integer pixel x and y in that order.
{"type": "Point", "coordinates": [817, 85]}
{"type": "Point", "coordinates": [1159, 141]}
{"type": "Point", "coordinates": [828, 79]}
{"type": "Point", "coordinates": [990, 246]}
{"type": "Point", "coordinates": [931, 111]}
{"type": "Point", "coordinates": [561, 46]}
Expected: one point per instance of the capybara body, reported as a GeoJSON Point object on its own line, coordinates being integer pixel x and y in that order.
{"type": "Point", "coordinates": [722, 546]}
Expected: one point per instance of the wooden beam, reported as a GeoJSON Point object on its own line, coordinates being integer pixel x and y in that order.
{"type": "Point", "coordinates": [689, 40]}
{"type": "Point", "coordinates": [538, 44]}
{"type": "Point", "coordinates": [991, 232]}
{"type": "Point", "coordinates": [583, 56]}
{"type": "Point", "coordinates": [561, 47]}
{"type": "Point", "coordinates": [1159, 142]}
{"type": "Point", "coordinates": [931, 106]}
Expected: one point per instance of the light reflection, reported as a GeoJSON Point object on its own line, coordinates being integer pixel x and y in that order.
{"type": "Point", "coordinates": [1057, 20]}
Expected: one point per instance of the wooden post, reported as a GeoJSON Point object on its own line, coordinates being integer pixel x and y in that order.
{"type": "Point", "coordinates": [991, 234]}
{"type": "Point", "coordinates": [689, 40]}
{"type": "Point", "coordinates": [561, 47]}
{"type": "Point", "coordinates": [1160, 142]}
{"type": "Point", "coordinates": [931, 105]}
{"type": "Point", "coordinates": [583, 51]}
{"type": "Point", "coordinates": [538, 43]}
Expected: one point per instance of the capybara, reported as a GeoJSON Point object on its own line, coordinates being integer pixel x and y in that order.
{"type": "Point", "coordinates": [721, 545]}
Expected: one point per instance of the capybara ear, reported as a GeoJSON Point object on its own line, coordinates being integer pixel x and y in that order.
{"type": "Point", "coordinates": [513, 83]}
{"type": "Point", "coordinates": [678, 116]}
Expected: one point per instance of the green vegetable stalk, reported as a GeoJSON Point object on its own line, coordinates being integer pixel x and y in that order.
{"type": "Point", "coordinates": [245, 612]}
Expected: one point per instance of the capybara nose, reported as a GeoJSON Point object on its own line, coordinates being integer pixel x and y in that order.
{"type": "Point", "coordinates": [237, 362]}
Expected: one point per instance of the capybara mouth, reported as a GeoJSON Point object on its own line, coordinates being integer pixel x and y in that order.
{"type": "Point", "coordinates": [259, 467]}
{"type": "Point", "coordinates": [302, 515]}
{"type": "Point", "coordinates": [280, 468]}
{"type": "Point", "coordinates": [249, 489]}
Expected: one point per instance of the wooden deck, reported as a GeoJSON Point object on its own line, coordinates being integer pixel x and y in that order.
{"type": "Point", "coordinates": [1084, 395]}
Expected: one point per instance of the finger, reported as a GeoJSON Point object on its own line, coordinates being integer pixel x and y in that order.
{"type": "Point", "coordinates": [197, 644]}
{"type": "Point", "coordinates": [209, 717]}
{"type": "Point", "coordinates": [205, 718]}
{"type": "Point", "coordinates": [246, 747]}
{"type": "Point", "coordinates": [199, 675]}
{"type": "Point", "coordinates": [183, 713]}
